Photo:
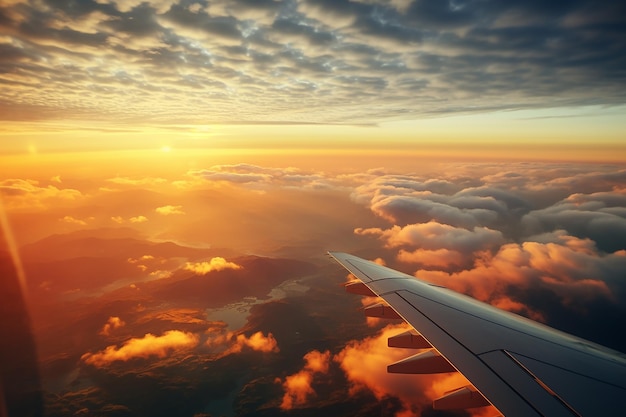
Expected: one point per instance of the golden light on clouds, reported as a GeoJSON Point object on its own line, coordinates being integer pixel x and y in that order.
{"type": "Point", "coordinates": [156, 155]}
{"type": "Point", "coordinates": [170, 209]}
{"type": "Point", "coordinates": [143, 246]}
{"type": "Point", "coordinates": [298, 387]}
{"type": "Point", "coordinates": [144, 347]}
{"type": "Point", "coordinates": [112, 323]}
{"type": "Point", "coordinates": [365, 364]}
{"type": "Point", "coordinates": [215, 264]}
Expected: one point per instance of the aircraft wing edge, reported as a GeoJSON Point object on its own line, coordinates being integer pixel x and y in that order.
{"type": "Point", "coordinates": [501, 374]}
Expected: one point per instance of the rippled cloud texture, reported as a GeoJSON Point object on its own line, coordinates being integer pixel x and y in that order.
{"type": "Point", "coordinates": [244, 61]}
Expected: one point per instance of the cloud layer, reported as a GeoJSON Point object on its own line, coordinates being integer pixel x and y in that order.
{"type": "Point", "coordinates": [514, 239]}
{"type": "Point", "coordinates": [241, 61]}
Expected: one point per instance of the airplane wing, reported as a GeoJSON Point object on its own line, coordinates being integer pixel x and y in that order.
{"type": "Point", "coordinates": [520, 366]}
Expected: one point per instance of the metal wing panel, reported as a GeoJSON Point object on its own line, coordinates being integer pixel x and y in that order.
{"type": "Point", "coordinates": [489, 383]}
{"type": "Point", "coordinates": [364, 270]}
{"type": "Point", "coordinates": [495, 349]}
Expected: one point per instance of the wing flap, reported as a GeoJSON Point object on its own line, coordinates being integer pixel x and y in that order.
{"type": "Point", "coordinates": [464, 397]}
{"type": "Point", "coordinates": [427, 362]}
{"type": "Point", "coordinates": [408, 340]}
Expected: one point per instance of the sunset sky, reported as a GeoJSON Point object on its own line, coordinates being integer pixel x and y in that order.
{"type": "Point", "coordinates": [172, 173]}
{"type": "Point", "coordinates": [99, 74]}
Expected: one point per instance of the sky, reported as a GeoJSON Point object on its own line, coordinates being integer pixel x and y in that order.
{"type": "Point", "coordinates": [314, 74]}
{"type": "Point", "coordinates": [173, 172]}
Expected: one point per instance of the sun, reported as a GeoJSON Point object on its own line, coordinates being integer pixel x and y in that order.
{"type": "Point", "coordinates": [166, 149]}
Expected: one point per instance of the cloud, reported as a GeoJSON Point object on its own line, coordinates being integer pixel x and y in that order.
{"type": "Point", "coordinates": [145, 347]}
{"type": "Point", "coordinates": [26, 193]}
{"type": "Point", "coordinates": [437, 245]}
{"type": "Point", "coordinates": [600, 216]}
{"type": "Point", "coordinates": [298, 387]}
{"type": "Point", "coordinates": [112, 323]}
{"type": "Point", "coordinates": [405, 200]}
{"type": "Point", "coordinates": [569, 267]}
{"type": "Point", "coordinates": [365, 365]}
{"type": "Point", "coordinates": [532, 247]}
{"type": "Point", "coordinates": [134, 219]}
{"type": "Point", "coordinates": [432, 235]}
{"type": "Point", "coordinates": [138, 181]}
{"type": "Point", "coordinates": [230, 342]}
{"type": "Point", "coordinates": [506, 303]}
{"type": "Point", "coordinates": [443, 259]}
{"type": "Point", "coordinates": [270, 61]}
{"type": "Point", "coordinates": [73, 220]}
{"type": "Point", "coordinates": [215, 264]}
{"type": "Point", "coordinates": [138, 219]}
{"type": "Point", "coordinates": [258, 342]}
{"type": "Point", "coordinates": [517, 202]}
{"type": "Point", "coordinates": [251, 175]}
{"type": "Point", "coordinates": [169, 210]}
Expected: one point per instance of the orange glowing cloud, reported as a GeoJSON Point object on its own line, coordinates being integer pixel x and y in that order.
{"type": "Point", "coordinates": [26, 193]}
{"type": "Point", "coordinates": [297, 390]}
{"type": "Point", "coordinates": [568, 267]}
{"type": "Point", "coordinates": [438, 258]}
{"type": "Point", "coordinates": [219, 338]}
{"type": "Point", "coordinates": [169, 210]}
{"type": "Point", "coordinates": [298, 386]}
{"type": "Point", "coordinates": [258, 341]}
{"type": "Point", "coordinates": [317, 361]}
{"type": "Point", "coordinates": [112, 323]}
{"type": "Point", "coordinates": [433, 236]}
{"type": "Point", "coordinates": [365, 362]}
{"type": "Point", "coordinates": [365, 365]}
{"type": "Point", "coordinates": [145, 347]}
{"type": "Point", "coordinates": [215, 264]}
{"type": "Point", "coordinates": [134, 219]}
{"type": "Point", "coordinates": [138, 219]}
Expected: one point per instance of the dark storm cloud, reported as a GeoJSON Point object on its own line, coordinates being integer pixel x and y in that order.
{"type": "Point", "coordinates": [237, 61]}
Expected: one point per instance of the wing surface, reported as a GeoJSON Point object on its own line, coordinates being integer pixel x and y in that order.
{"type": "Point", "coordinates": [520, 366]}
